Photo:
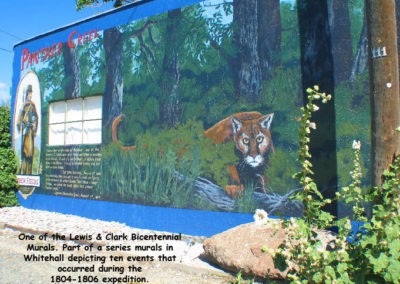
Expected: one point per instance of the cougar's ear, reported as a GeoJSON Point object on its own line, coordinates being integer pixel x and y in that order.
{"type": "Point", "coordinates": [266, 120]}
{"type": "Point", "coordinates": [236, 124]}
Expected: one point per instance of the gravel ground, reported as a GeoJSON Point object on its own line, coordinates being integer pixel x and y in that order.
{"type": "Point", "coordinates": [22, 233]}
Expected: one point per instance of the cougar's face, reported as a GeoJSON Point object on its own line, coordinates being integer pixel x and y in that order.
{"type": "Point", "coordinates": [253, 139]}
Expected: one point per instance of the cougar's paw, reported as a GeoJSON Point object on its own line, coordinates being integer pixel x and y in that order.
{"type": "Point", "coordinates": [234, 190]}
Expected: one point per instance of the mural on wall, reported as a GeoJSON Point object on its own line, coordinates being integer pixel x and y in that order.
{"type": "Point", "coordinates": [193, 108]}
{"type": "Point", "coordinates": [199, 89]}
{"type": "Point", "coordinates": [27, 134]}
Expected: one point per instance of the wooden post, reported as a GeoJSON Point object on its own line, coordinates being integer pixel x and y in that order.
{"type": "Point", "coordinates": [384, 85]}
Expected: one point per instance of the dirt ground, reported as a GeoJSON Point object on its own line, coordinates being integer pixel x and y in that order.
{"type": "Point", "coordinates": [14, 268]}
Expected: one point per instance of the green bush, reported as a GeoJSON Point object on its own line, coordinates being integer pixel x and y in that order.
{"type": "Point", "coordinates": [8, 166]}
{"type": "Point", "coordinates": [368, 255]}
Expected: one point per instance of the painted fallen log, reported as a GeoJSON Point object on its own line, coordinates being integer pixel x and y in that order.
{"type": "Point", "coordinates": [273, 203]}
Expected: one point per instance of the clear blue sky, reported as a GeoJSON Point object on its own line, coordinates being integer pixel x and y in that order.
{"type": "Point", "coordinates": [23, 19]}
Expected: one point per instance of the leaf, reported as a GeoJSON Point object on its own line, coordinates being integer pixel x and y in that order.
{"type": "Point", "coordinates": [369, 240]}
{"type": "Point", "coordinates": [380, 263]}
{"type": "Point", "coordinates": [393, 272]}
{"type": "Point", "coordinates": [342, 268]}
{"type": "Point", "coordinates": [317, 278]}
{"type": "Point", "coordinates": [394, 248]}
{"type": "Point", "coordinates": [330, 272]}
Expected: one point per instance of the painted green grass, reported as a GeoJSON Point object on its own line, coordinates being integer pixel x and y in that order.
{"type": "Point", "coordinates": [147, 178]}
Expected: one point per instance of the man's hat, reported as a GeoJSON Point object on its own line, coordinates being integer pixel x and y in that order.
{"type": "Point", "coordinates": [28, 90]}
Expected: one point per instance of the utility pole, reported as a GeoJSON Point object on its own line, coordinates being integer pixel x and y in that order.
{"type": "Point", "coordinates": [384, 85]}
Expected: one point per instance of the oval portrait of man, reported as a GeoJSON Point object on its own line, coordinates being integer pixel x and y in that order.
{"type": "Point", "coordinates": [27, 129]}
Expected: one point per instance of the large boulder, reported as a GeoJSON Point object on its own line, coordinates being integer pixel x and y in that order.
{"type": "Point", "coordinates": [245, 249]}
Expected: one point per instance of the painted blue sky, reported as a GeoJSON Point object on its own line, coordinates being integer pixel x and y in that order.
{"type": "Point", "coordinates": [24, 19]}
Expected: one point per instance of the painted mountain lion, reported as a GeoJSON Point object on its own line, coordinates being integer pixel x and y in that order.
{"type": "Point", "coordinates": [250, 132]}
